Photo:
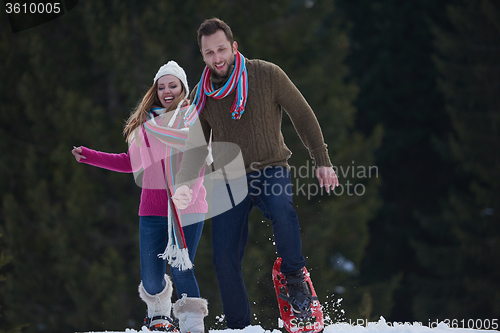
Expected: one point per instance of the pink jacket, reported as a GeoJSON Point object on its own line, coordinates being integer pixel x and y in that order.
{"type": "Point", "coordinates": [149, 155]}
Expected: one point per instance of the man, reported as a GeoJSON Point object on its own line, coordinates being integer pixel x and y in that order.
{"type": "Point", "coordinates": [240, 101]}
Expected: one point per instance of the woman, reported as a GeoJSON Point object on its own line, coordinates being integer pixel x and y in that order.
{"type": "Point", "coordinates": [151, 156]}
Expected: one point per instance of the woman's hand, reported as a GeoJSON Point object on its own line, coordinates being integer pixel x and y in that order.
{"type": "Point", "coordinates": [77, 152]}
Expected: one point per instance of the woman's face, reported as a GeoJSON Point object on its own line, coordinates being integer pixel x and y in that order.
{"type": "Point", "coordinates": [169, 88]}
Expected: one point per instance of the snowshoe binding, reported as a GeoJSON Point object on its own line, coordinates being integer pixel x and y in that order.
{"type": "Point", "coordinates": [299, 307]}
{"type": "Point", "coordinates": [161, 324]}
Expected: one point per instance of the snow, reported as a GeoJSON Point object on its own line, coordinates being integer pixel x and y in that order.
{"type": "Point", "coordinates": [336, 322]}
{"type": "Point", "coordinates": [382, 326]}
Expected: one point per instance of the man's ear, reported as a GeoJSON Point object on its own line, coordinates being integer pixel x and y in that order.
{"type": "Point", "coordinates": [235, 47]}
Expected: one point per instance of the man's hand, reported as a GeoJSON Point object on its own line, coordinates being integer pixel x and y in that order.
{"type": "Point", "coordinates": [327, 178]}
{"type": "Point", "coordinates": [182, 197]}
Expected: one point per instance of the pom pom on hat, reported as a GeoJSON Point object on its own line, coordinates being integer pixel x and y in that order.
{"type": "Point", "coordinates": [172, 68]}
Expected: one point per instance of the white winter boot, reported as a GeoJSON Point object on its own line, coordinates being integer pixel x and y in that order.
{"type": "Point", "coordinates": [190, 311]}
{"type": "Point", "coordinates": [159, 308]}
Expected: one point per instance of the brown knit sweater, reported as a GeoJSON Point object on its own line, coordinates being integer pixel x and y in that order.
{"type": "Point", "coordinates": [258, 131]}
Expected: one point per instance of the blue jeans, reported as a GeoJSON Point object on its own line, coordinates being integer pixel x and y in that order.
{"type": "Point", "coordinates": [271, 191]}
{"type": "Point", "coordinates": [153, 240]}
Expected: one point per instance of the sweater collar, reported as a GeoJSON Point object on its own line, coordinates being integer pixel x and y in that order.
{"type": "Point", "coordinates": [158, 111]}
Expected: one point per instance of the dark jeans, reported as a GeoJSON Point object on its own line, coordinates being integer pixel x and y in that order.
{"type": "Point", "coordinates": [153, 240]}
{"type": "Point", "coordinates": [270, 190]}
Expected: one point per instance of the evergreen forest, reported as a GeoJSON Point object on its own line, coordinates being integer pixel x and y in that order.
{"type": "Point", "coordinates": [407, 96]}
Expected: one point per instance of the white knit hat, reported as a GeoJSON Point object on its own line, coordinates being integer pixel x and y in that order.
{"type": "Point", "coordinates": [172, 68]}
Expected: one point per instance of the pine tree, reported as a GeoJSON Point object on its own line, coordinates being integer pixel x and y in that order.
{"type": "Point", "coordinates": [72, 228]}
{"type": "Point", "coordinates": [390, 60]}
{"type": "Point", "coordinates": [47, 203]}
{"type": "Point", "coordinates": [4, 261]}
{"type": "Point", "coordinates": [460, 276]}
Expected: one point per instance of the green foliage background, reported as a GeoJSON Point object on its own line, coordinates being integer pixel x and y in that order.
{"type": "Point", "coordinates": [406, 88]}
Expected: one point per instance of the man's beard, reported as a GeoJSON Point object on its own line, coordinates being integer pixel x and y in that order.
{"type": "Point", "coordinates": [227, 72]}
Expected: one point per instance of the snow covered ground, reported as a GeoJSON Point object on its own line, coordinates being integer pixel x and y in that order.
{"type": "Point", "coordinates": [336, 322]}
{"type": "Point", "coordinates": [382, 326]}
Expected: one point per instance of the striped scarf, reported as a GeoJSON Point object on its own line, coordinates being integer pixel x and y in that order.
{"type": "Point", "coordinates": [238, 80]}
{"type": "Point", "coordinates": [174, 137]}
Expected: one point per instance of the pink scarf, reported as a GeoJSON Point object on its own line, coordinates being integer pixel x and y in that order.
{"type": "Point", "coordinates": [174, 137]}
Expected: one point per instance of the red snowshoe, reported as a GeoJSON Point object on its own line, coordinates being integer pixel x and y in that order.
{"type": "Point", "coordinates": [305, 318]}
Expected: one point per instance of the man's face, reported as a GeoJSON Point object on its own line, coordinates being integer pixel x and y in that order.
{"type": "Point", "coordinates": [218, 53]}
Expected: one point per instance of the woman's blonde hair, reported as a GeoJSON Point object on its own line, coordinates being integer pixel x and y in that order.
{"type": "Point", "coordinates": [140, 114]}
